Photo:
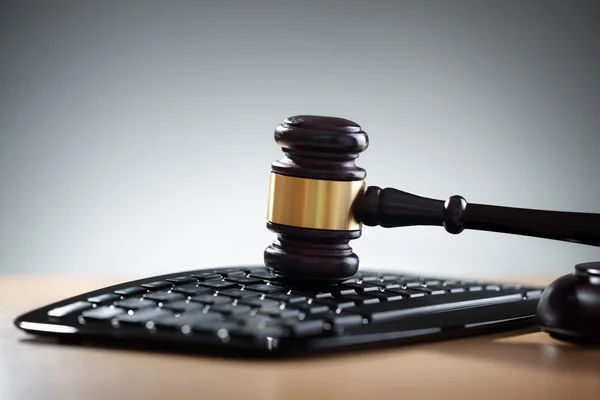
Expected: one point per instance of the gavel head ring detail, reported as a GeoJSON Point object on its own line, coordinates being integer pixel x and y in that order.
{"type": "Point", "coordinates": [312, 196]}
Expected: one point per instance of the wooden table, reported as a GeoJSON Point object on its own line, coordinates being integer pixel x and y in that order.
{"type": "Point", "coordinates": [520, 365]}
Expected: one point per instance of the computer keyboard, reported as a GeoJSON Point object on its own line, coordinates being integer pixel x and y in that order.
{"type": "Point", "coordinates": [247, 310]}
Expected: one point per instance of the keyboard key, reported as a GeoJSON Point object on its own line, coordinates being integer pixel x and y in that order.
{"type": "Point", "coordinates": [244, 280]}
{"type": "Point", "coordinates": [191, 289]}
{"type": "Point", "coordinates": [337, 303]}
{"type": "Point", "coordinates": [431, 282]}
{"type": "Point", "coordinates": [353, 280]}
{"type": "Point", "coordinates": [325, 295]}
{"type": "Point", "coordinates": [407, 293]}
{"type": "Point", "coordinates": [104, 298]}
{"type": "Point", "coordinates": [409, 278]}
{"type": "Point", "coordinates": [135, 304]}
{"type": "Point", "coordinates": [211, 299]}
{"type": "Point", "coordinates": [389, 295]}
{"type": "Point", "coordinates": [180, 280]}
{"type": "Point", "coordinates": [361, 299]}
{"type": "Point", "coordinates": [183, 306]}
{"type": "Point", "coordinates": [237, 293]}
{"type": "Point", "coordinates": [263, 288]}
{"type": "Point", "coordinates": [451, 282]}
{"type": "Point", "coordinates": [370, 278]}
{"type": "Point", "coordinates": [453, 288]}
{"type": "Point", "coordinates": [263, 274]}
{"type": "Point", "coordinates": [337, 321]}
{"type": "Point", "coordinates": [142, 317]}
{"type": "Point", "coordinates": [346, 320]}
{"type": "Point", "coordinates": [204, 316]}
{"type": "Point", "coordinates": [217, 284]}
{"type": "Point", "coordinates": [362, 288]}
{"type": "Point", "coordinates": [533, 294]}
{"type": "Point", "coordinates": [215, 327]}
{"type": "Point", "coordinates": [434, 290]}
{"type": "Point", "coordinates": [163, 297]}
{"type": "Point", "coordinates": [342, 291]}
{"type": "Point", "coordinates": [279, 312]}
{"type": "Point", "coordinates": [235, 273]}
{"type": "Point", "coordinates": [157, 285]}
{"type": "Point", "coordinates": [101, 314]}
{"type": "Point", "coordinates": [131, 291]}
{"type": "Point", "coordinates": [383, 285]}
{"type": "Point", "coordinates": [475, 288]}
{"type": "Point", "coordinates": [257, 334]}
{"type": "Point", "coordinates": [69, 309]}
{"type": "Point", "coordinates": [471, 283]}
{"type": "Point", "coordinates": [287, 298]}
{"type": "Point", "coordinates": [258, 302]}
{"type": "Point", "coordinates": [207, 275]}
{"type": "Point", "coordinates": [306, 328]}
{"type": "Point", "coordinates": [187, 319]}
{"type": "Point", "coordinates": [313, 308]}
{"type": "Point", "coordinates": [230, 309]}
{"type": "Point", "coordinates": [256, 321]}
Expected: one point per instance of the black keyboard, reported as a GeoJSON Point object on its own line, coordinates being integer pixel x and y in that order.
{"type": "Point", "coordinates": [247, 310]}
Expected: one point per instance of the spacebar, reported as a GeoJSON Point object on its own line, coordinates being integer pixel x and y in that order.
{"type": "Point", "coordinates": [391, 310]}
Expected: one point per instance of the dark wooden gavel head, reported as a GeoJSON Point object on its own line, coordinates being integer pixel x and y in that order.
{"type": "Point", "coordinates": [311, 194]}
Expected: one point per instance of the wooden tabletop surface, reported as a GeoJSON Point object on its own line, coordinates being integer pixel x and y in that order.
{"type": "Point", "coordinates": [519, 365]}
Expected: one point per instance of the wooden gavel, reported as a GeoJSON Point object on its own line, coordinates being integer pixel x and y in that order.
{"type": "Point", "coordinates": [318, 202]}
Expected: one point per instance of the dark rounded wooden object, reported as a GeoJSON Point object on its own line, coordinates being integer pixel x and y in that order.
{"type": "Point", "coordinates": [569, 308]}
{"type": "Point", "coordinates": [318, 147]}
{"type": "Point", "coordinates": [302, 254]}
{"type": "Point", "coordinates": [325, 148]}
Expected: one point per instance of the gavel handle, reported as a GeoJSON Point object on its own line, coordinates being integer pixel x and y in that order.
{"type": "Point", "coordinates": [391, 208]}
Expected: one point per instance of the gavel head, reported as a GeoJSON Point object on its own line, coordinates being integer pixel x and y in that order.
{"type": "Point", "coordinates": [312, 191]}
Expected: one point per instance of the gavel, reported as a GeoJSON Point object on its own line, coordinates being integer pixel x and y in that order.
{"type": "Point", "coordinates": [318, 202]}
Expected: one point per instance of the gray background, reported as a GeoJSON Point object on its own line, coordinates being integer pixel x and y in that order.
{"type": "Point", "coordinates": [136, 137]}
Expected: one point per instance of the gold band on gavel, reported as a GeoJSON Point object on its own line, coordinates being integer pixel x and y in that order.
{"type": "Point", "coordinates": [313, 203]}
